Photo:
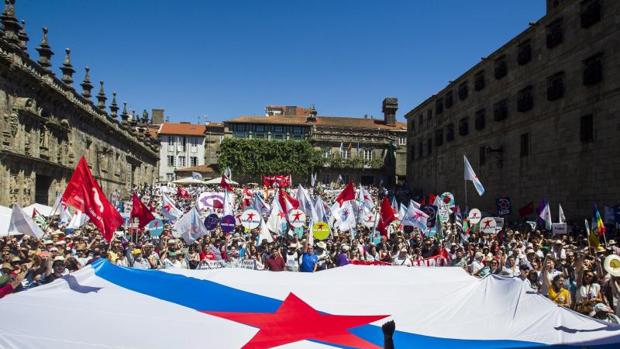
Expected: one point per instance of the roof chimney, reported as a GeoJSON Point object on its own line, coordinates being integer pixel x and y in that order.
{"type": "Point", "coordinates": [157, 116]}
{"type": "Point", "coordinates": [390, 106]}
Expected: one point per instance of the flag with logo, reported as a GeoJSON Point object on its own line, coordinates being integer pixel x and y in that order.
{"type": "Point", "coordinates": [197, 176]}
{"type": "Point", "coordinates": [545, 215]}
{"type": "Point", "coordinates": [21, 223]}
{"type": "Point", "coordinates": [169, 209]}
{"type": "Point", "coordinates": [416, 218]}
{"type": "Point", "coordinates": [470, 175]}
{"type": "Point", "coordinates": [84, 194]}
{"type": "Point", "coordinates": [190, 227]}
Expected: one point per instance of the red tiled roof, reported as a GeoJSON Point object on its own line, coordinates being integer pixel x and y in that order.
{"type": "Point", "coordinates": [179, 128]}
{"type": "Point", "coordinates": [325, 121]}
{"type": "Point", "coordinates": [213, 168]}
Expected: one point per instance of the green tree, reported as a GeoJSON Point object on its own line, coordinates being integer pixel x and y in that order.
{"type": "Point", "coordinates": [258, 157]}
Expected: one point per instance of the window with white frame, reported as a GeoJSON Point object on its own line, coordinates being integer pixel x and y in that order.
{"type": "Point", "coordinates": [367, 154]}
{"type": "Point", "coordinates": [345, 153]}
{"type": "Point", "coordinates": [193, 161]}
{"type": "Point", "coordinates": [402, 140]}
{"type": "Point", "coordinates": [169, 177]}
{"type": "Point", "coordinates": [170, 161]}
{"type": "Point", "coordinates": [194, 144]}
{"type": "Point", "coordinates": [170, 143]}
{"type": "Point", "coordinates": [327, 153]}
{"type": "Point", "coordinates": [181, 161]}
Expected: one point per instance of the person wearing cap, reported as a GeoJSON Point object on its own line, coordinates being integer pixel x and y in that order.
{"type": "Point", "coordinates": [477, 266]}
{"type": "Point", "coordinates": [603, 312]}
{"type": "Point", "coordinates": [292, 258]}
{"type": "Point", "coordinates": [342, 258]}
{"type": "Point", "coordinates": [557, 250]}
{"type": "Point", "coordinates": [57, 270]}
{"type": "Point", "coordinates": [323, 256]}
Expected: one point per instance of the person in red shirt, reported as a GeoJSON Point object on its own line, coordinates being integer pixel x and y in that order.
{"type": "Point", "coordinates": [275, 262]}
{"type": "Point", "coordinates": [16, 280]}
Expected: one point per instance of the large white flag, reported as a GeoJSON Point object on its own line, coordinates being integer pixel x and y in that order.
{"type": "Point", "coordinates": [545, 215]}
{"type": "Point", "coordinates": [190, 227]}
{"type": "Point", "coordinates": [345, 217]}
{"type": "Point", "coordinates": [305, 203]}
{"type": "Point", "coordinates": [274, 222]}
{"type": "Point", "coordinates": [402, 212]}
{"type": "Point", "coordinates": [260, 205]}
{"type": "Point", "coordinates": [561, 216]}
{"type": "Point", "coordinates": [470, 175]}
{"type": "Point", "coordinates": [21, 223]}
{"type": "Point", "coordinates": [78, 220]}
{"type": "Point", "coordinates": [264, 232]}
{"type": "Point", "coordinates": [321, 212]}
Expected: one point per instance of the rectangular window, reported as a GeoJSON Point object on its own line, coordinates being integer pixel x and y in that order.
{"type": "Point", "coordinates": [193, 161]}
{"type": "Point", "coordinates": [438, 137]}
{"type": "Point", "coordinates": [181, 161]}
{"type": "Point", "coordinates": [524, 55]}
{"type": "Point", "coordinates": [402, 140]}
{"type": "Point", "coordinates": [593, 70]}
{"type": "Point", "coordinates": [464, 126]}
{"type": "Point", "coordinates": [586, 131]}
{"type": "Point", "coordinates": [277, 129]}
{"type": "Point", "coordinates": [345, 153]}
{"type": "Point", "coordinates": [439, 106]}
{"type": "Point", "coordinates": [555, 86]}
{"type": "Point", "coordinates": [480, 121]}
{"type": "Point", "coordinates": [169, 177]}
{"type": "Point", "coordinates": [555, 34]}
{"type": "Point", "coordinates": [429, 114]}
{"type": "Point", "coordinates": [260, 128]}
{"type": "Point", "coordinates": [449, 132]}
{"type": "Point", "coordinates": [463, 90]}
{"type": "Point", "coordinates": [429, 146]}
{"type": "Point", "coordinates": [500, 110]}
{"type": "Point", "coordinates": [501, 67]}
{"type": "Point", "coordinates": [368, 154]}
{"type": "Point", "coordinates": [525, 145]}
{"type": "Point", "coordinates": [421, 121]}
{"type": "Point", "coordinates": [297, 130]}
{"type": "Point", "coordinates": [449, 100]}
{"type": "Point", "coordinates": [590, 13]}
{"type": "Point", "coordinates": [479, 81]}
{"type": "Point", "coordinates": [525, 99]}
{"type": "Point", "coordinates": [170, 160]}
{"type": "Point", "coordinates": [482, 155]}
{"type": "Point", "coordinates": [327, 153]}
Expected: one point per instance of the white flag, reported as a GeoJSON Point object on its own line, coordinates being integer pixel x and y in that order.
{"type": "Point", "coordinates": [415, 218]}
{"type": "Point", "coordinates": [264, 232]}
{"type": "Point", "coordinates": [190, 227]}
{"type": "Point", "coordinates": [470, 175]}
{"type": "Point", "coordinates": [321, 212]}
{"type": "Point", "coordinates": [345, 217]}
{"type": "Point", "coordinates": [561, 216]}
{"type": "Point", "coordinates": [305, 203]}
{"type": "Point", "coordinates": [274, 222]}
{"type": "Point", "coordinates": [21, 223]}
{"type": "Point", "coordinates": [78, 220]}
{"type": "Point", "coordinates": [168, 209]}
{"type": "Point", "coordinates": [402, 212]}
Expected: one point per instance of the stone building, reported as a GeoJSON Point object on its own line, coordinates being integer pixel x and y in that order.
{"type": "Point", "coordinates": [365, 150]}
{"type": "Point", "coordinates": [537, 118]}
{"type": "Point", "coordinates": [182, 145]}
{"type": "Point", "coordinates": [46, 125]}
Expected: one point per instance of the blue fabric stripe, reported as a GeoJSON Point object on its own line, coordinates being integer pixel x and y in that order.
{"type": "Point", "coordinates": [205, 295]}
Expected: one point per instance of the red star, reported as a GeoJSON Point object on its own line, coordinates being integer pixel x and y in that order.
{"type": "Point", "coordinates": [295, 321]}
{"type": "Point", "coordinates": [167, 207]}
{"type": "Point", "coordinates": [296, 216]}
{"type": "Point", "coordinates": [281, 214]}
{"type": "Point", "coordinates": [250, 216]}
{"type": "Point", "coordinates": [319, 226]}
{"type": "Point", "coordinates": [487, 224]}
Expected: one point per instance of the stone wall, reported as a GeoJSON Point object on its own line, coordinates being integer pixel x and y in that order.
{"type": "Point", "coordinates": [46, 126]}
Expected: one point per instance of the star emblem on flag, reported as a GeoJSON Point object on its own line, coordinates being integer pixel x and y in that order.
{"type": "Point", "coordinates": [250, 216]}
{"type": "Point", "coordinates": [295, 321]}
{"type": "Point", "coordinates": [297, 216]}
{"type": "Point", "coordinates": [487, 224]}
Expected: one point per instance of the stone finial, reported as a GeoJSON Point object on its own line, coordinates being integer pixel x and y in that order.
{"type": "Point", "coordinates": [45, 52]}
{"type": "Point", "coordinates": [67, 69]}
{"type": "Point", "coordinates": [23, 37]}
{"type": "Point", "coordinates": [124, 114]}
{"type": "Point", "coordinates": [101, 98]}
{"type": "Point", "coordinates": [114, 106]}
{"type": "Point", "coordinates": [10, 23]}
{"type": "Point", "coordinates": [87, 86]}
{"type": "Point", "coordinates": [145, 117]}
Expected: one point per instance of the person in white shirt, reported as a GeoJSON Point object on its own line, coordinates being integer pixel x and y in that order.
{"type": "Point", "coordinates": [402, 258]}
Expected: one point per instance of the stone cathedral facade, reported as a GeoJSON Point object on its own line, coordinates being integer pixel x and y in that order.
{"type": "Point", "coordinates": [46, 125]}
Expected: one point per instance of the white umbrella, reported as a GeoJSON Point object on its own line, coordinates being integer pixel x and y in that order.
{"type": "Point", "coordinates": [218, 180]}
{"type": "Point", "coordinates": [188, 180]}
{"type": "Point", "coordinates": [42, 209]}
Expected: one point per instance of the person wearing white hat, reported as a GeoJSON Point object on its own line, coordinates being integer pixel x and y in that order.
{"type": "Point", "coordinates": [402, 258]}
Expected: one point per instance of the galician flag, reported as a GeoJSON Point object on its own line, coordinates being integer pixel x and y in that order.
{"type": "Point", "coordinates": [168, 209]}
{"type": "Point", "coordinates": [470, 175]}
{"type": "Point", "coordinates": [190, 227]}
{"type": "Point", "coordinates": [416, 218]}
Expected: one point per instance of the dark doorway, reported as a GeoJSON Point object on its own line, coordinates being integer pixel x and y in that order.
{"type": "Point", "coordinates": [368, 180]}
{"type": "Point", "coordinates": [42, 189]}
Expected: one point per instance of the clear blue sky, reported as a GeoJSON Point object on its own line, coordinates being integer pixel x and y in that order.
{"type": "Point", "coordinates": [227, 58]}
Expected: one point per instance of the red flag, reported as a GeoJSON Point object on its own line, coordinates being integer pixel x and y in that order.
{"type": "Point", "coordinates": [84, 194]}
{"type": "Point", "coordinates": [347, 194]}
{"type": "Point", "coordinates": [286, 201]}
{"type": "Point", "coordinates": [141, 211]}
{"type": "Point", "coordinates": [225, 185]}
{"type": "Point", "coordinates": [527, 209]}
{"type": "Point", "coordinates": [182, 192]}
{"type": "Point", "coordinates": [386, 216]}
{"type": "Point", "coordinates": [431, 198]}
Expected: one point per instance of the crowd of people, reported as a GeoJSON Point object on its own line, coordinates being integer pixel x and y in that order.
{"type": "Point", "coordinates": [565, 268]}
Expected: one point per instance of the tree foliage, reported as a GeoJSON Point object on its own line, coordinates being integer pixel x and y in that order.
{"type": "Point", "coordinates": [257, 157]}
